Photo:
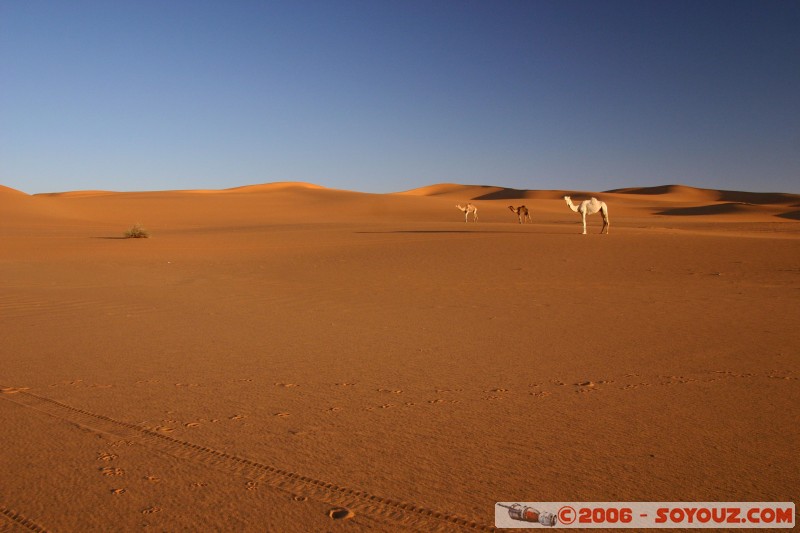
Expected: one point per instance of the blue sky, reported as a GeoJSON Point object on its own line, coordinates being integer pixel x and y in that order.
{"type": "Point", "coordinates": [384, 96]}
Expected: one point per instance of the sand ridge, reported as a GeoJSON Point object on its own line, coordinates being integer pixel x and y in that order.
{"type": "Point", "coordinates": [290, 357]}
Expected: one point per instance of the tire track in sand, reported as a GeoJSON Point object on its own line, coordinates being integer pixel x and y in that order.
{"type": "Point", "coordinates": [20, 520]}
{"type": "Point", "coordinates": [403, 514]}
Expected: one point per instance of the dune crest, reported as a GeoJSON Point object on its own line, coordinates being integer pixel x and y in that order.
{"type": "Point", "coordinates": [8, 191]}
{"type": "Point", "coordinates": [278, 185]}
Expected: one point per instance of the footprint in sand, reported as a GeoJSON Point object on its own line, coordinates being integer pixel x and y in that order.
{"type": "Point", "coordinates": [393, 391]}
{"type": "Point", "coordinates": [152, 479]}
{"type": "Point", "coordinates": [104, 456]}
{"type": "Point", "coordinates": [341, 513]}
{"type": "Point", "coordinates": [111, 471]}
{"type": "Point", "coordinates": [118, 491]}
{"type": "Point", "coordinates": [13, 390]}
{"type": "Point", "coordinates": [287, 385]}
{"type": "Point", "coordinates": [151, 510]}
{"type": "Point", "coordinates": [192, 424]}
{"type": "Point", "coordinates": [252, 485]}
{"type": "Point", "coordinates": [164, 429]}
{"type": "Point", "coordinates": [586, 386]}
{"type": "Point", "coordinates": [299, 498]}
{"type": "Point", "coordinates": [236, 417]}
{"type": "Point", "coordinates": [334, 409]}
{"type": "Point", "coordinates": [282, 415]}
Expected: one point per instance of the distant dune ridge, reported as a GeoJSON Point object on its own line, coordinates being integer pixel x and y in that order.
{"type": "Point", "coordinates": [294, 358]}
{"type": "Point", "coordinates": [298, 200]}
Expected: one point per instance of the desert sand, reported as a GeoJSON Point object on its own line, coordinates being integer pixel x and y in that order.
{"type": "Point", "coordinates": [287, 357]}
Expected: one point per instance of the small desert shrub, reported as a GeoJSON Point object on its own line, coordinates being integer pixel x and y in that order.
{"type": "Point", "coordinates": [137, 232]}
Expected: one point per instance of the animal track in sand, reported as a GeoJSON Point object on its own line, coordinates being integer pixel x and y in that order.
{"type": "Point", "coordinates": [588, 386]}
{"type": "Point", "coordinates": [192, 424]}
{"type": "Point", "coordinates": [152, 479]}
{"type": "Point", "coordinates": [151, 510]}
{"type": "Point", "coordinates": [110, 471]}
{"type": "Point", "coordinates": [281, 415]}
{"type": "Point", "coordinates": [105, 456]}
{"type": "Point", "coordinates": [118, 491]}
{"type": "Point", "coordinates": [252, 485]}
{"type": "Point", "coordinates": [286, 385]}
{"type": "Point", "coordinates": [393, 391]}
{"type": "Point", "coordinates": [236, 417]}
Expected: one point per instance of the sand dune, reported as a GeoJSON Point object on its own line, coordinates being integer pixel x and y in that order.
{"type": "Point", "coordinates": [685, 193]}
{"type": "Point", "coordinates": [288, 357]}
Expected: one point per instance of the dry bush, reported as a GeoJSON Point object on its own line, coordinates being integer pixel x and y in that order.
{"type": "Point", "coordinates": [137, 232]}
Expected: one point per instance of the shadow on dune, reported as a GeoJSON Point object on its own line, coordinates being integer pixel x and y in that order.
{"type": "Point", "coordinates": [520, 194]}
{"type": "Point", "coordinates": [792, 215]}
{"type": "Point", "coordinates": [759, 198]}
{"type": "Point", "coordinates": [742, 197]}
{"type": "Point", "coordinates": [715, 209]}
{"type": "Point", "coordinates": [661, 189]}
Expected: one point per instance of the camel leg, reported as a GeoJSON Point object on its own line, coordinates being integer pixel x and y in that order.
{"type": "Point", "coordinates": [583, 216]}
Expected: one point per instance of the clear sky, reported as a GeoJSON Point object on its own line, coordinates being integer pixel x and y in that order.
{"type": "Point", "coordinates": [388, 95]}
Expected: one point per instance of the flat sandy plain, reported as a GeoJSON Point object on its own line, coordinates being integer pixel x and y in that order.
{"type": "Point", "coordinates": [274, 354]}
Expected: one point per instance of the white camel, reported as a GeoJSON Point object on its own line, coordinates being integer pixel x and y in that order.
{"type": "Point", "coordinates": [590, 207]}
{"type": "Point", "coordinates": [522, 213]}
{"type": "Point", "coordinates": [467, 210]}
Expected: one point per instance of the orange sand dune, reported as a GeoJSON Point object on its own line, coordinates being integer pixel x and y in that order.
{"type": "Point", "coordinates": [286, 357]}
{"type": "Point", "coordinates": [684, 193]}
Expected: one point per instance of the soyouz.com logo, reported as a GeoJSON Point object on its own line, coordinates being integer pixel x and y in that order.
{"type": "Point", "coordinates": [644, 514]}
